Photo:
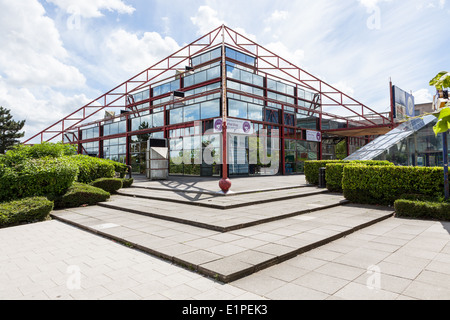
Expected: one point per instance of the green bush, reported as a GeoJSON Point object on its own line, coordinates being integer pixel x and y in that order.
{"type": "Point", "coordinates": [22, 153]}
{"type": "Point", "coordinates": [25, 211]}
{"type": "Point", "coordinates": [91, 169]}
{"type": "Point", "coordinates": [335, 172]}
{"type": "Point", "coordinates": [120, 168]}
{"type": "Point", "coordinates": [312, 169]}
{"type": "Point", "coordinates": [37, 177]}
{"type": "Point", "coordinates": [81, 194]}
{"type": "Point", "coordinates": [110, 185]}
{"type": "Point", "coordinates": [127, 183]}
{"type": "Point", "coordinates": [422, 209]}
{"type": "Point", "coordinates": [385, 184]}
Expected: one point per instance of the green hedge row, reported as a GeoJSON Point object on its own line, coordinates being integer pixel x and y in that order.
{"type": "Point", "coordinates": [91, 169]}
{"type": "Point", "coordinates": [21, 153]}
{"type": "Point", "coordinates": [81, 194]}
{"type": "Point", "coordinates": [110, 185]}
{"type": "Point", "coordinates": [26, 210]}
{"type": "Point", "coordinates": [312, 169]}
{"type": "Point", "coordinates": [422, 209]}
{"type": "Point", "coordinates": [37, 177]}
{"type": "Point", "coordinates": [335, 172]}
{"type": "Point", "coordinates": [383, 185]}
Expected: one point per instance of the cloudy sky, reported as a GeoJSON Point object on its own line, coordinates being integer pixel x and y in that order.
{"type": "Point", "coordinates": [58, 55]}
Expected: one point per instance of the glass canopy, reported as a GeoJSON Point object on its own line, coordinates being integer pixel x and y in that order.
{"type": "Point", "coordinates": [397, 137]}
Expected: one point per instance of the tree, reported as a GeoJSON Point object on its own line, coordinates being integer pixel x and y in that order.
{"type": "Point", "coordinates": [442, 81]}
{"type": "Point", "coordinates": [9, 130]}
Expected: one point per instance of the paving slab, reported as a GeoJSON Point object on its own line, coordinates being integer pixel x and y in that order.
{"type": "Point", "coordinates": [212, 253]}
{"type": "Point", "coordinates": [232, 219]}
{"type": "Point", "coordinates": [220, 202]}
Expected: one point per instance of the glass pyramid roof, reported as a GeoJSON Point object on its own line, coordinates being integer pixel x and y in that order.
{"type": "Point", "coordinates": [384, 143]}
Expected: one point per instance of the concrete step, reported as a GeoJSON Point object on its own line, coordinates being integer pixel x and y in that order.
{"type": "Point", "coordinates": [225, 256]}
{"type": "Point", "coordinates": [225, 220]}
{"type": "Point", "coordinates": [219, 202]}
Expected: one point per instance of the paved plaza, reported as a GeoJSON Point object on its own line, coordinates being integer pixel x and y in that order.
{"type": "Point", "coordinates": [162, 250]}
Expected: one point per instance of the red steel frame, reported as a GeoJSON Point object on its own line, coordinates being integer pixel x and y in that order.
{"type": "Point", "coordinates": [266, 60]}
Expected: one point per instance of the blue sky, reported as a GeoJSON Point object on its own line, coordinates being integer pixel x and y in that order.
{"type": "Point", "coordinates": [58, 55]}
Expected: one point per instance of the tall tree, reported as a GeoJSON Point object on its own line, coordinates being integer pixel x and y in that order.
{"type": "Point", "coordinates": [9, 130]}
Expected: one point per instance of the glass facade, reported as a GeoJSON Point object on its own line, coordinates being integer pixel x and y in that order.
{"type": "Point", "coordinates": [413, 143]}
{"type": "Point", "coordinates": [265, 102]}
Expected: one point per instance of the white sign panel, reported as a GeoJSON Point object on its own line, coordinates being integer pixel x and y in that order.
{"type": "Point", "coordinates": [314, 136]}
{"type": "Point", "coordinates": [234, 126]}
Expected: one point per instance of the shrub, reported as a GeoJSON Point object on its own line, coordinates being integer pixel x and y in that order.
{"type": "Point", "coordinates": [81, 194]}
{"type": "Point", "coordinates": [110, 185]}
{"type": "Point", "coordinates": [91, 169]}
{"type": "Point", "coordinates": [385, 184]}
{"type": "Point", "coordinates": [22, 153]}
{"type": "Point", "coordinates": [37, 177]}
{"type": "Point", "coordinates": [120, 168]}
{"type": "Point", "coordinates": [25, 211]}
{"type": "Point", "coordinates": [312, 169]}
{"type": "Point", "coordinates": [335, 172]}
{"type": "Point", "coordinates": [422, 209]}
{"type": "Point", "coordinates": [127, 183]}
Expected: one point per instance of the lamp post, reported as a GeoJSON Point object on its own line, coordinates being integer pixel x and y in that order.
{"type": "Point", "coordinates": [445, 151]}
{"type": "Point", "coordinates": [224, 183]}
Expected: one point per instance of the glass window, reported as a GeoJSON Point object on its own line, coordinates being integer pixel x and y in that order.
{"type": "Point", "coordinates": [191, 113]}
{"type": "Point", "coordinates": [237, 109]}
{"type": "Point", "coordinates": [176, 116]}
{"type": "Point", "coordinates": [158, 119]}
{"type": "Point", "coordinates": [213, 73]}
{"type": "Point", "coordinates": [255, 112]}
{"type": "Point", "coordinates": [210, 109]}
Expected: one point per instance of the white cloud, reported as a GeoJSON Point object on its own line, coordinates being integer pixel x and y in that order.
{"type": "Point", "coordinates": [277, 16]}
{"type": "Point", "coordinates": [130, 53]}
{"type": "Point", "coordinates": [423, 96]}
{"type": "Point", "coordinates": [345, 88]}
{"type": "Point", "coordinates": [40, 110]}
{"type": "Point", "coordinates": [32, 52]}
{"type": "Point", "coordinates": [206, 20]}
{"type": "Point", "coordinates": [92, 8]}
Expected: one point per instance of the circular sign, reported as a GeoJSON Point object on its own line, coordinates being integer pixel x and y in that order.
{"type": "Point", "coordinates": [246, 127]}
{"type": "Point", "coordinates": [218, 125]}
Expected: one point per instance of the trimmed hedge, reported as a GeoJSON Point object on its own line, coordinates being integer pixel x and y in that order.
{"type": "Point", "coordinates": [127, 183]}
{"type": "Point", "coordinates": [91, 169]}
{"type": "Point", "coordinates": [121, 169]}
{"type": "Point", "coordinates": [26, 210]}
{"type": "Point", "coordinates": [81, 194]}
{"type": "Point", "coordinates": [335, 172]}
{"type": "Point", "coordinates": [422, 209]}
{"type": "Point", "coordinates": [37, 177]}
{"type": "Point", "coordinates": [110, 185]}
{"type": "Point", "coordinates": [312, 169]}
{"type": "Point", "coordinates": [22, 153]}
{"type": "Point", "coordinates": [384, 184]}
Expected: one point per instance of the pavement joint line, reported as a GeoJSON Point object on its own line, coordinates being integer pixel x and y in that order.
{"type": "Point", "coordinates": [227, 278]}
{"type": "Point", "coordinates": [225, 207]}
{"type": "Point", "coordinates": [219, 228]}
{"type": "Point", "coordinates": [217, 193]}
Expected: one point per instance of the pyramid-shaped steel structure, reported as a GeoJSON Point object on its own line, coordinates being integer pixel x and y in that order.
{"type": "Point", "coordinates": [352, 112]}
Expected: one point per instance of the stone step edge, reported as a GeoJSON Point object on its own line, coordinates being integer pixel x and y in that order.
{"type": "Point", "coordinates": [219, 228]}
{"type": "Point", "coordinates": [225, 207]}
{"type": "Point", "coordinates": [236, 275]}
{"type": "Point", "coordinates": [220, 194]}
